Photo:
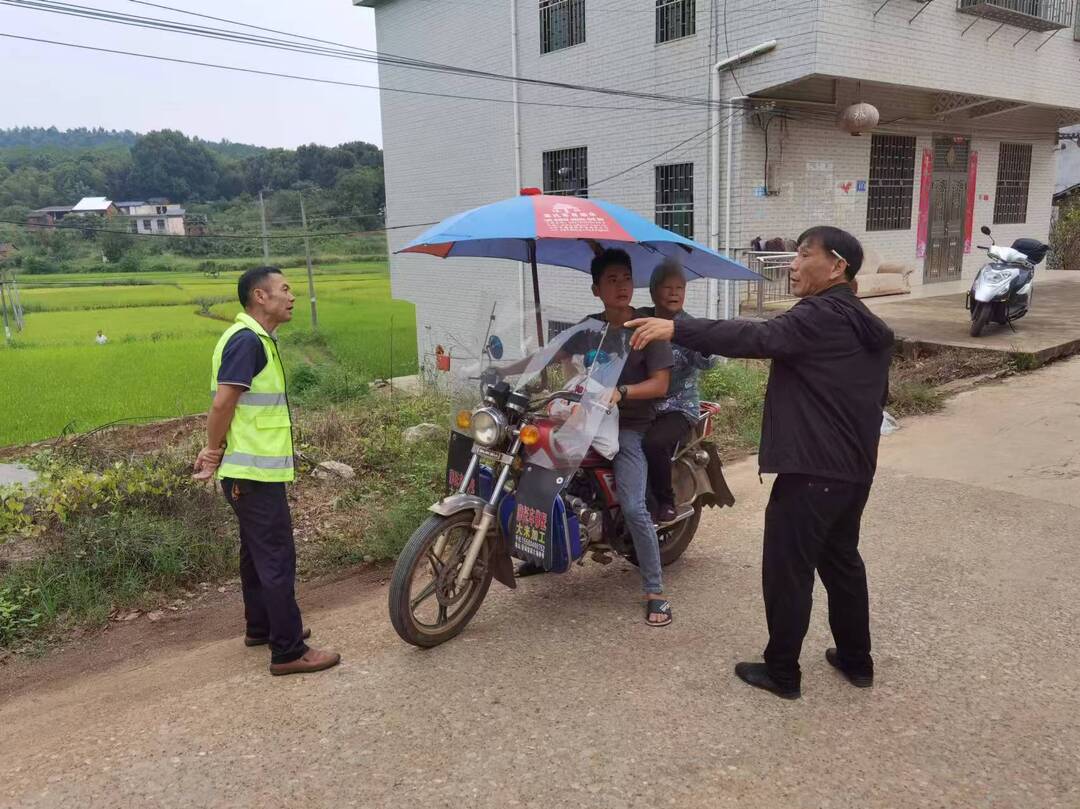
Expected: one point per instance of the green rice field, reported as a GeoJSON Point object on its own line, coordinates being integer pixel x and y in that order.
{"type": "Point", "coordinates": [162, 328]}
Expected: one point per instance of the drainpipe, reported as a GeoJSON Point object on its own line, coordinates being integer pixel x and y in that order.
{"type": "Point", "coordinates": [714, 214]}
{"type": "Point", "coordinates": [517, 154]}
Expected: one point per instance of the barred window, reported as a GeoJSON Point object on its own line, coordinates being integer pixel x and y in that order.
{"type": "Point", "coordinates": [557, 327]}
{"type": "Point", "coordinates": [675, 19]}
{"type": "Point", "coordinates": [892, 182]}
{"type": "Point", "coordinates": [562, 24]}
{"type": "Point", "coordinates": [675, 198]}
{"type": "Point", "coordinates": [1013, 179]}
{"type": "Point", "coordinates": [566, 171]}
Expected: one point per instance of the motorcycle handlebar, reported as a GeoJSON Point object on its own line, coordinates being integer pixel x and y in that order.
{"type": "Point", "coordinates": [568, 396]}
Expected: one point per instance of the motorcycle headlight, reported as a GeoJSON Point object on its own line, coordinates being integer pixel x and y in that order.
{"type": "Point", "coordinates": [488, 426]}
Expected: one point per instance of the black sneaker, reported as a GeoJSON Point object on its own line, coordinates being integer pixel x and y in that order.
{"type": "Point", "coordinates": [757, 675]}
{"type": "Point", "coordinates": [857, 680]}
{"type": "Point", "coordinates": [666, 514]}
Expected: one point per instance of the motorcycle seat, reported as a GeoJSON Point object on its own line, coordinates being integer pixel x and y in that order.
{"type": "Point", "coordinates": [594, 459]}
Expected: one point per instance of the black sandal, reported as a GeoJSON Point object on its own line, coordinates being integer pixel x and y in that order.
{"type": "Point", "coordinates": [658, 606]}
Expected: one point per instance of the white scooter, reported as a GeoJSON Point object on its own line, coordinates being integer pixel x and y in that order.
{"type": "Point", "coordinates": [1001, 291]}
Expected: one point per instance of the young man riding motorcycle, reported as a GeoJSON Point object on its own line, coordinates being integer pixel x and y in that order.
{"type": "Point", "coordinates": [644, 380]}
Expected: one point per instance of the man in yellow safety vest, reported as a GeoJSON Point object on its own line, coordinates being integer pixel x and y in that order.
{"type": "Point", "coordinates": [249, 447]}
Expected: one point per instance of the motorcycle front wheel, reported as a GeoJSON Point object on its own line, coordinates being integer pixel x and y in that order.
{"type": "Point", "coordinates": [426, 606]}
{"type": "Point", "coordinates": [980, 316]}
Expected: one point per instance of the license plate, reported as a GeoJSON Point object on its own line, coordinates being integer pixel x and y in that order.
{"type": "Point", "coordinates": [487, 454]}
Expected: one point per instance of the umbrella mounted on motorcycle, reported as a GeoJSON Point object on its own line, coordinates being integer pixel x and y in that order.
{"type": "Point", "coordinates": [529, 459]}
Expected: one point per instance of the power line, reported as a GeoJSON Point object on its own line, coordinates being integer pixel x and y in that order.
{"type": "Point", "coordinates": [665, 152]}
{"type": "Point", "coordinates": [313, 79]}
{"type": "Point", "coordinates": [352, 54]}
{"type": "Point", "coordinates": [727, 46]}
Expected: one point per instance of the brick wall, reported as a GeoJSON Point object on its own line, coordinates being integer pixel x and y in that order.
{"type": "Point", "coordinates": [811, 159]}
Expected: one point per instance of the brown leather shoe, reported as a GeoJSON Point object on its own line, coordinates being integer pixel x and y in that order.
{"type": "Point", "coordinates": [250, 641]}
{"type": "Point", "coordinates": [313, 660]}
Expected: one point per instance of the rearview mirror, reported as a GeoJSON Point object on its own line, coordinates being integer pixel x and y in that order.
{"type": "Point", "coordinates": [495, 347]}
{"type": "Point", "coordinates": [985, 230]}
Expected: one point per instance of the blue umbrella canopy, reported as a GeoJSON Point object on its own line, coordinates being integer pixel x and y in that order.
{"type": "Point", "coordinates": [568, 232]}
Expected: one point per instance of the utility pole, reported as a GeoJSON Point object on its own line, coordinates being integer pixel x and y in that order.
{"type": "Point", "coordinates": [3, 308]}
{"type": "Point", "coordinates": [265, 238]}
{"type": "Point", "coordinates": [310, 274]}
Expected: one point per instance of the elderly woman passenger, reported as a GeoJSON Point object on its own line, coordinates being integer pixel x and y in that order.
{"type": "Point", "coordinates": [677, 413]}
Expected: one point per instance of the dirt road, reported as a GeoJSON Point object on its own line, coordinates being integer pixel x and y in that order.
{"type": "Point", "coordinates": [559, 696]}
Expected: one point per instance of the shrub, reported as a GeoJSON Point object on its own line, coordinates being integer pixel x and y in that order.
{"type": "Point", "coordinates": [1065, 240]}
{"type": "Point", "coordinates": [740, 387]}
{"type": "Point", "coordinates": [110, 561]}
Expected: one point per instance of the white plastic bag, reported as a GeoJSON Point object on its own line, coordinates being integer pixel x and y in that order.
{"type": "Point", "coordinates": [606, 439]}
{"type": "Point", "coordinates": [889, 425]}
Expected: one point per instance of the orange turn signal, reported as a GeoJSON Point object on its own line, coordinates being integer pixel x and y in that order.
{"type": "Point", "coordinates": [530, 435]}
{"type": "Point", "coordinates": [464, 419]}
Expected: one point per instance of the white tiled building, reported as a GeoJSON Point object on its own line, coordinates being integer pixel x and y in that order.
{"type": "Point", "coordinates": [975, 90]}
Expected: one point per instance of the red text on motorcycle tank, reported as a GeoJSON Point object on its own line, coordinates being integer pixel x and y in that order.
{"type": "Point", "coordinates": [455, 477]}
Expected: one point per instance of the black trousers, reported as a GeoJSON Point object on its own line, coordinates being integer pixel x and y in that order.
{"type": "Point", "coordinates": [661, 438]}
{"type": "Point", "coordinates": [267, 566]}
{"type": "Point", "coordinates": [814, 523]}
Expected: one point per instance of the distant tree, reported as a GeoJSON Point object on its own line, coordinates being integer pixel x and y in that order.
{"type": "Point", "coordinates": [169, 164]}
{"type": "Point", "coordinates": [114, 245]}
{"type": "Point", "coordinates": [360, 192]}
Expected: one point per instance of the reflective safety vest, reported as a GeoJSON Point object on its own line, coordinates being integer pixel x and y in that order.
{"type": "Point", "coordinates": [259, 444]}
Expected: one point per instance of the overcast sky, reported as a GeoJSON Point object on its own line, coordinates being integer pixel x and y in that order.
{"type": "Point", "coordinates": [47, 85]}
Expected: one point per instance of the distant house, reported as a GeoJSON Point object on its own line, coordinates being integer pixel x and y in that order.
{"type": "Point", "coordinates": [159, 219]}
{"type": "Point", "coordinates": [47, 217]}
{"type": "Point", "coordinates": [95, 205]}
{"type": "Point", "coordinates": [1067, 194]}
{"type": "Point", "coordinates": [124, 207]}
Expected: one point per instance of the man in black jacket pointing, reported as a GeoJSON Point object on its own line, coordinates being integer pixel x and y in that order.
{"type": "Point", "coordinates": [820, 432]}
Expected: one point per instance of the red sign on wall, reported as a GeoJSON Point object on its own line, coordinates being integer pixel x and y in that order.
{"type": "Point", "coordinates": [924, 202]}
{"type": "Point", "coordinates": [969, 218]}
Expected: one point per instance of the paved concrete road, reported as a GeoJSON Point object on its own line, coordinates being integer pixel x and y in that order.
{"type": "Point", "coordinates": [559, 696]}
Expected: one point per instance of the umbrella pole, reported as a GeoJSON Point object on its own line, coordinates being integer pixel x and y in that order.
{"type": "Point", "coordinates": [536, 294]}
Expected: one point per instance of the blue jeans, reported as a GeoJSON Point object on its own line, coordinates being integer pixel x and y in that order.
{"type": "Point", "coordinates": [631, 478]}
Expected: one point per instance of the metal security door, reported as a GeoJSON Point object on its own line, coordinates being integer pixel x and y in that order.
{"type": "Point", "coordinates": [948, 198]}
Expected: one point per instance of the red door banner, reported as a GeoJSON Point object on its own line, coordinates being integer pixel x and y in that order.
{"type": "Point", "coordinates": [969, 218]}
{"type": "Point", "coordinates": [924, 202]}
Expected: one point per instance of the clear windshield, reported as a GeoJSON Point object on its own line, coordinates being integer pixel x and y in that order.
{"type": "Point", "coordinates": [583, 358]}
{"type": "Point", "coordinates": [585, 361]}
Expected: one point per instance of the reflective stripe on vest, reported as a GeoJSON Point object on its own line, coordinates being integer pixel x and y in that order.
{"type": "Point", "coordinates": [258, 445]}
{"type": "Point", "coordinates": [259, 399]}
{"type": "Point", "coordinates": [258, 461]}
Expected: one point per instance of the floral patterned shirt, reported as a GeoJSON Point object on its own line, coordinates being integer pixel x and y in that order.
{"type": "Point", "coordinates": [683, 396]}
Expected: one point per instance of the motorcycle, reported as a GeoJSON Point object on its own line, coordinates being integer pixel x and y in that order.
{"type": "Point", "coordinates": [529, 477]}
{"type": "Point", "coordinates": [1002, 289]}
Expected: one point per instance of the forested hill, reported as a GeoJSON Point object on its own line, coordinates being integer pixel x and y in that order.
{"type": "Point", "coordinates": [40, 167]}
{"type": "Point", "coordinates": [37, 137]}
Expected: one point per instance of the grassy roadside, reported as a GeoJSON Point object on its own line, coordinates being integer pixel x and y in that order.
{"type": "Point", "coordinates": [118, 524]}
{"type": "Point", "coordinates": [113, 528]}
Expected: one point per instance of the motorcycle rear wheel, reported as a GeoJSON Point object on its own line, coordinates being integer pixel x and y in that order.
{"type": "Point", "coordinates": [425, 608]}
{"type": "Point", "coordinates": [979, 318]}
{"type": "Point", "coordinates": [676, 539]}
